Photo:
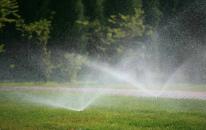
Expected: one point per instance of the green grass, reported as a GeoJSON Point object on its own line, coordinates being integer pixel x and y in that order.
{"type": "Point", "coordinates": [110, 112]}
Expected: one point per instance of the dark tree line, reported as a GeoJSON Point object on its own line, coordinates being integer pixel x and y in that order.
{"type": "Point", "coordinates": [35, 35]}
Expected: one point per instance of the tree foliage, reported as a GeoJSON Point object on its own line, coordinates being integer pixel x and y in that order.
{"type": "Point", "coordinates": [8, 12]}
{"type": "Point", "coordinates": [93, 10]}
{"type": "Point", "coordinates": [125, 7]}
{"type": "Point", "coordinates": [100, 28]}
{"type": "Point", "coordinates": [39, 31]}
{"type": "Point", "coordinates": [113, 37]}
{"type": "Point", "coordinates": [152, 12]}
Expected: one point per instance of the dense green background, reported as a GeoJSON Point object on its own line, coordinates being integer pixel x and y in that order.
{"type": "Point", "coordinates": [100, 28]}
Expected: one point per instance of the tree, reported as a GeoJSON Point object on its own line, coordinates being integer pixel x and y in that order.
{"type": "Point", "coordinates": [152, 12]}
{"type": "Point", "coordinates": [66, 13]}
{"type": "Point", "coordinates": [125, 7]}
{"type": "Point", "coordinates": [93, 10]}
{"type": "Point", "coordinates": [126, 29]}
{"type": "Point", "coordinates": [113, 38]}
{"type": "Point", "coordinates": [8, 12]}
{"type": "Point", "coordinates": [39, 31]}
{"type": "Point", "coordinates": [171, 8]}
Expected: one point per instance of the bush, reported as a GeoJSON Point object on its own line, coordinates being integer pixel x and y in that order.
{"type": "Point", "coordinates": [69, 67]}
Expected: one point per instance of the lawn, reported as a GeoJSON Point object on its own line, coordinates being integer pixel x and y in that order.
{"type": "Point", "coordinates": [108, 112]}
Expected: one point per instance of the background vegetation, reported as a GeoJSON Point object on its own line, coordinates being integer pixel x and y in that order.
{"type": "Point", "coordinates": [39, 39]}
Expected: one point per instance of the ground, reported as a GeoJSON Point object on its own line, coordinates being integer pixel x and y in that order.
{"type": "Point", "coordinates": [108, 112]}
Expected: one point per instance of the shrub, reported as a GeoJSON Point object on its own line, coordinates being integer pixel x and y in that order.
{"type": "Point", "coordinates": [69, 67]}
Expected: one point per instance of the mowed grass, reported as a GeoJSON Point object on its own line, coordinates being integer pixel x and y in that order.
{"type": "Point", "coordinates": [108, 112]}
